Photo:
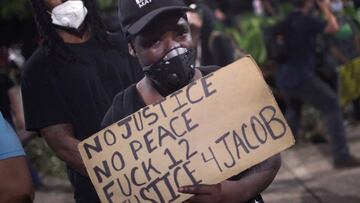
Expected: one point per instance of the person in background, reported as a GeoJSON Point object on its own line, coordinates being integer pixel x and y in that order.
{"type": "Point", "coordinates": [213, 47]}
{"type": "Point", "coordinates": [159, 34]}
{"type": "Point", "coordinates": [9, 103]}
{"type": "Point", "coordinates": [269, 7]}
{"type": "Point", "coordinates": [71, 79]}
{"type": "Point", "coordinates": [16, 185]}
{"type": "Point", "coordinates": [297, 80]}
{"type": "Point", "coordinates": [12, 110]}
{"type": "Point", "coordinates": [345, 45]}
{"type": "Point", "coordinates": [219, 14]}
{"type": "Point", "coordinates": [356, 3]}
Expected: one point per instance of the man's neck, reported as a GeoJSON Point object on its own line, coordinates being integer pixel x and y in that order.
{"type": "Point", "coordinates": [149, 94]}
{"type": "Point", "coordinates": [73, 38]}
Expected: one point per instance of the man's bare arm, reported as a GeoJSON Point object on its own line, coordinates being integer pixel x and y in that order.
{"type": "Point", "coordinates": [16, 183]}
{"type": "Point", "coordinates": [339, 55]}
{"type": "Point", "coordinates": [253, 182]}
{"type": "Point", "coordinates": [61, 140]}
{"type": "Point", "coordinates": [332, 24]}
{"type": "Point", "coordinates": [16, 107]}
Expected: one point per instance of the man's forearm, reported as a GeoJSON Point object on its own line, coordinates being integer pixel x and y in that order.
{"type": "Point", "coordinates": [71, 155]}
{"type": "Point", "coordinates": [339, 55]}
{"type": "Point", "coordinates": [253, 182]}
{"type": "Point", "coordinates": [330, 18]}
{"type": "Point", "coordinates": [61, 140]}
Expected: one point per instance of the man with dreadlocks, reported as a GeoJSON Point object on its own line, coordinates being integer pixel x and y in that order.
{"type": "Point", "coordinates": [71, 79]}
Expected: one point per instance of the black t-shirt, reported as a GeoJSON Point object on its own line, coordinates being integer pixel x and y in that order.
{"type": "Point", "coordinates": [299, 36]}
{"type": "Point", "coordinates": [129, 101]}
{"type": "Point", "coordinates": [299, 32]}
{"type": "Point", "coordinates": [77, 92]}
{"type": "Point", "coordinates": [5, 85]}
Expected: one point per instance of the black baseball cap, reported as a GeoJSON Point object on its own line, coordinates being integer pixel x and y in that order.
{"type": "Point", "coordinates": [136, 14]}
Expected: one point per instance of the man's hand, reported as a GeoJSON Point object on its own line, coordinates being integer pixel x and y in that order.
{"type": "Point", "coordinates": [332, 24]}
{"type": "Point", "coordinates": [203, 193]}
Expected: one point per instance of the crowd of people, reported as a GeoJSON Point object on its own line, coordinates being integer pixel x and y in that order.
{"type": "Point", "coordinates": [82, 78]}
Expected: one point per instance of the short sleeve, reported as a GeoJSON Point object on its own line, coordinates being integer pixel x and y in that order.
{"type": "Point", "coordinates": [10, 145]}
{"type": "Point", "coordinates": [43, 106]}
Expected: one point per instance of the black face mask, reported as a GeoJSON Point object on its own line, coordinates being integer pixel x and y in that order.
{"type": "Point", "coordinates": [173, 72]}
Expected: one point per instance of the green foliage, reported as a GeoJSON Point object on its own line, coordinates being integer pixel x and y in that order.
{"type": "Point", "coordinates": [14, 9]}
{"type": "Point", "coordinates": [313, 126]}
{"type": "Point", "coordinates": [250, 39]}
{"type": "Point", "coordinates": [44, 159]}
{"type": "Point", "coordinates": [285, 9]}
{"type": "Point", "coordinates": [107, 4]}
{"type": "Point", "coordinates": [249, 34]}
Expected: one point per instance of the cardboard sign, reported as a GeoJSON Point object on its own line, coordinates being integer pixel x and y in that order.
{"type": "Point", "coordinates": [205, 133]}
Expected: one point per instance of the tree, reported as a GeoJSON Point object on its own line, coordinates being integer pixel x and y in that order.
{"type": "Point", "coordinates": [10, 9]}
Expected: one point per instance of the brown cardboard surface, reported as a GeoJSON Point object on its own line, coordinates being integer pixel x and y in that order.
{"type": "Point", "coordinates": [205, 133]}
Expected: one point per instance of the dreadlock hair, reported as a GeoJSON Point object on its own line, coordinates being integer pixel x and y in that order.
{"type": "Point", "coordinates": [53, 43]}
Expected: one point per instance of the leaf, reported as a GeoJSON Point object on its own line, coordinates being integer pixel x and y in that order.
{"type": "Point", "coordinates": [14, 9]}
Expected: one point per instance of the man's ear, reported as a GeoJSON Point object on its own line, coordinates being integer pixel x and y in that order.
{"type": "Point", "coordinates": [131, 49]}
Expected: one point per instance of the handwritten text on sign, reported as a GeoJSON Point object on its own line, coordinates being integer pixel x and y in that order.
{"type": "Point", "coordinates": [205, 133]}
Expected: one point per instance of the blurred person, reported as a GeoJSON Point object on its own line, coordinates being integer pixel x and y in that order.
{"type": "Point", "coordinates": [8, 96]}
{"type": "Point", "coordinates": [159, 34]}
{"type": "Point", "coordinates": [350, 3]}
{"type": "Point", "coordinates": [356, 3]}
{"type": "Point", "coordinates": [258, 7]}
{"type": "Point", "coordinates": [345, 45]}
{"type": "Point", "coordinates": [16, 185]}
{"type": "Point", "coordinates": [222, 10]}
{"type": "Point", "coordinates": [264, 8]}
{"type": "Point", "coordinates": [270, 7]}
{"type": "Point", "coordinates": [297, 80]}
{"type": "Point", "coordinates": [213, 47]}
{"type": "Point", "coordinates": [71, 79]}
{"type": "Point", "coordinates": [213, 4]}
{"type": "Point", "coordinates": [12, 110]}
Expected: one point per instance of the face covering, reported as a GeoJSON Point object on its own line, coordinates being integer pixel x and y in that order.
{"type": "Point", "coordinates": [173, 72]}
{"type": "Point", "coordinates": [337, 6]}
{"type": "Point", "coordinates": [70, 14]}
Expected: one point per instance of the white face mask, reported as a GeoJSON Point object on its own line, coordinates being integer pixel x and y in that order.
{"type": "Point", "coordinates": [70, 14]}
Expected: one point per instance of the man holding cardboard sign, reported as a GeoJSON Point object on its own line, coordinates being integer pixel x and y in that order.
{"type": "Point", "coordinates": [169, 150]}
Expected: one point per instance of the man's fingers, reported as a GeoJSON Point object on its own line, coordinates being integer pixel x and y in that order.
{"type": "Point", "coordinates": [200, 189]}
{"type": "Point", "coordinates": [196, 199]}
